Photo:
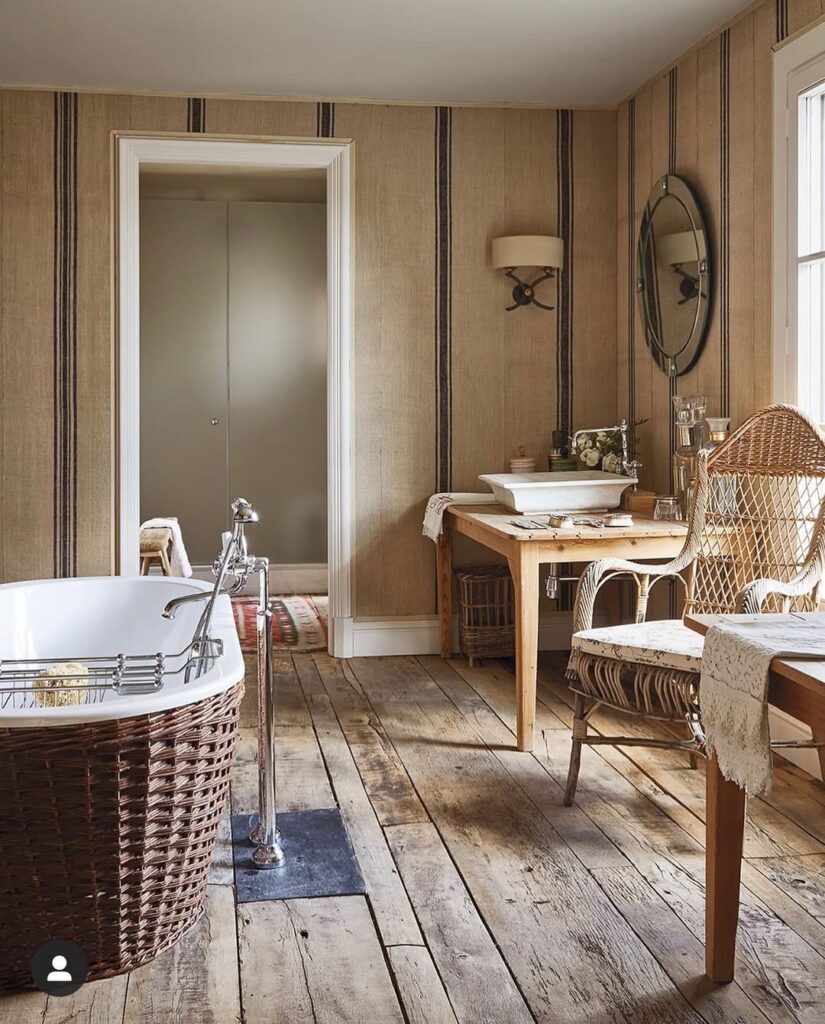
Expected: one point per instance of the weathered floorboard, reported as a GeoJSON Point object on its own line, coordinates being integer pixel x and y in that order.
{"type": "Point", "coordinates": [391, 793]}
{"type": "Point", "coordinates": [313, 962]}
{"type": "Point", "coordinates": [475, 976]}
{"type": "Point", "coordinates": [418, 983]}
{"type": "Point", "coordinates": [393, 913]}
{"type": "Point", "coordinates": [197, 979]}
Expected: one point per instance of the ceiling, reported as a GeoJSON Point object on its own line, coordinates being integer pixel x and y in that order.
{"type": "Point", "coordinates": [554, 52]}
{"type": "Point", "coordinates": [241, 184]}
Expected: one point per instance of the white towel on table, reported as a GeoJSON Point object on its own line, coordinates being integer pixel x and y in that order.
{"type": "Point", "coordinates": [439, 503]}
{"type": "Point", "coordinates": [734, 689]}
{"type": "Point", "coordinates": [178, 559]}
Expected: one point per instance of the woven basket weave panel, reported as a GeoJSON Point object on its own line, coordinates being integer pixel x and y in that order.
{"type": "Point", "coordinates": [108, 831]}
{"type": "Point", "coordinates": [777, 439]}
{"type": "Point", "coordinates": [486, 612]}
{"type": "Point", "coordinates": [662, 693]}
{"type": "Point", "coordinates": [757, 525]}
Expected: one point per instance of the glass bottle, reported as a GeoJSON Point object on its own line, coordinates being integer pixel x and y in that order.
{"type": "Point", "coordinates": [719, 430]}
{"type": "Point", "coordinates": [689, 421]}
{"type": "Point", "coordinates": [724, 495]}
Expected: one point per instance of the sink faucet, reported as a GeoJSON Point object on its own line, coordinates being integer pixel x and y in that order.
{"type": "Point", "coordinates": [627, 467]}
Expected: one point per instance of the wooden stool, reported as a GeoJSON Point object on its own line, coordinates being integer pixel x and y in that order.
{"type": "Point", "coordinates": [155, 542]}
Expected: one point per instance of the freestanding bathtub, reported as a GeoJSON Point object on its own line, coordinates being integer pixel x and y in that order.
{"type": "Point", "coordinates": [111, 803]}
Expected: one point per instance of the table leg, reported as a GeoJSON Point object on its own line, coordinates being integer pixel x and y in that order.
{"type": "Point", "coordinates": [723, 867]}
{"type": "Point", "coordinates": [524, 568]}
{"type": "Point", "coordinates": [818, 734]}
{"type": "Point", "coordinates": [444, 587]}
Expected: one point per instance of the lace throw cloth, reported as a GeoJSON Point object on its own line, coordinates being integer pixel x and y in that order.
{"type": "Point", "coordinates": [734, 689]}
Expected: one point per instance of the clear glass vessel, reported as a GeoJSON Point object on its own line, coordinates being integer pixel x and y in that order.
{"type": "Point", "coordinates": [689, 421]}
{"type": "Point", "coordinates": [667, 509]}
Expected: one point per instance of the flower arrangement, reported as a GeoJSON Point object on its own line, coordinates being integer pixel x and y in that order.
{"type": "Point", "coordinates": [604, 449]}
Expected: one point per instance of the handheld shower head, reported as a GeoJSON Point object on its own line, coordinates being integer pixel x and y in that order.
{"type": "Point", "coordinates": [243, 512]}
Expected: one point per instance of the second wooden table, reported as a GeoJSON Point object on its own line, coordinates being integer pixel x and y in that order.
{"type": "Point", "coordinates": [525, 550]}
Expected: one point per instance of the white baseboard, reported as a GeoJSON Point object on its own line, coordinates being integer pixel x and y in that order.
{"type": "Point", "coordinates": [783, 727]}
{"type": "Point", "coordinates": [421, 635]}
{"type": "Point", "coordinates": [302, 578]}
{"type": "Point", "coordinates": [341, 637]}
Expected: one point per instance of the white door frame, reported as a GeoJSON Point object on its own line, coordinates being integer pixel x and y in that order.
{"type": "Point", "coordinates": [135, 150]}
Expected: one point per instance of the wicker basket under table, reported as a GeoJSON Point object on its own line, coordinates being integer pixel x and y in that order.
{"type": "Point", "coordinates": [107, 830]}
{"type": "Point", "coordinates": [486, 612]}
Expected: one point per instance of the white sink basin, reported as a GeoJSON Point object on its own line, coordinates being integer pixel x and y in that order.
{"type": "Point", "coordinates": [586, 490]}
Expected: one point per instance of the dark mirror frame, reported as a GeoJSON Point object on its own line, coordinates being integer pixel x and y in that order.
{"type": "Point", "coordinates": [674, 364]}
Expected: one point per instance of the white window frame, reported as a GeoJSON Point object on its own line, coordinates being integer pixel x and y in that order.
{"type": "Point", "coordinates": [798, 66]}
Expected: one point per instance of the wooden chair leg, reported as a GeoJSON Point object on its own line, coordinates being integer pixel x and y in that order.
{"type": "Point", "coordinates": [144, 566]}
{"type": "Point", "coordinates": [692, 757]}
{"type": "Point", "coordinates": [579, 734]}
{"type": "Point", "coordinates": [642, 598]}
{"type": "Point", "coordinates": [818, 733]}
{"type": "Point", "coordinates": [164, 562]}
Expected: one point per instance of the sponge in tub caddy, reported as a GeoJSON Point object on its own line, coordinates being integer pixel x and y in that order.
{"type": "Point", "coordinates": [55, 690]}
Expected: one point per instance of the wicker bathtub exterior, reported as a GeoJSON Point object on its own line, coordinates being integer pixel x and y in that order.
{"type": "Point", "coordinates": [107, 831]}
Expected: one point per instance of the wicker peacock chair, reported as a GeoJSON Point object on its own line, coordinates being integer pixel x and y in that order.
{"type": "Point", "coordinates": [755, 542]}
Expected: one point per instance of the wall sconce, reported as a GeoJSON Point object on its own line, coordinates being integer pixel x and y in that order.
{"type": "Point", "coordinates": [676, 251]}
{"type": "Point", "coordinates": [512, 251]}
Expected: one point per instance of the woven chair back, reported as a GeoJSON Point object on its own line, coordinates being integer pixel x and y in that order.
{"type": "Point", "coordinates": [757, 510]}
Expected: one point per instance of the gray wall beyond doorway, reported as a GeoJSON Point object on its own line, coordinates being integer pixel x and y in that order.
{"type": "Point", "coordinates": [233, 328]}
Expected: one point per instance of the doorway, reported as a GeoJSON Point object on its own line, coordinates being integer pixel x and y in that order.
{"type": "Point", "coordinates": [213, 400]}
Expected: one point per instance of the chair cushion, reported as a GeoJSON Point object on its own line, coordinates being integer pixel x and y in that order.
{"type": "Point", "coordinates": [666, 642]}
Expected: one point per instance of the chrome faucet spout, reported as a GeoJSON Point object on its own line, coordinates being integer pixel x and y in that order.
{"type": "Point", "coordinates": [173, 605]}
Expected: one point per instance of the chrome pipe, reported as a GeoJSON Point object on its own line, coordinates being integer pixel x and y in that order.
{"type": "Point", "coordinates": [235, 560]}
{"type": "Point", "coordinates": [268, 852]}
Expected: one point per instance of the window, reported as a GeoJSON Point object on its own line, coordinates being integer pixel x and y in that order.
{"type": "Point", "coordinates": [799, 223]}
{"type": "Point", "coordinates": [810, 320]}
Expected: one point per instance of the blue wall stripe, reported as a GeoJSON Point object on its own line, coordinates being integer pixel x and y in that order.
{"type": "Point", "coordinates": [564, 304]}
{"type": "Point", "coordinates": [631, 260]}
{"type": "Point", "coordinates": [781, 15]}
{"type": "Point", "coordinates": [443, 295]}
{"type": "Point", "coordinates": [724, 222]}
{"type": "Point", "coordinates": [672, 124]}
{"type": "Point", "coordinates": [65, 334]}
{"type": "Point", "coordinates": [196, 115]}
{"type": "Point", "coordinates": [325, 120]}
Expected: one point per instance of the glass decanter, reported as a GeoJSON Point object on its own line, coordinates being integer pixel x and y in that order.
{"type": "Point", "coordinates": [689, 420]}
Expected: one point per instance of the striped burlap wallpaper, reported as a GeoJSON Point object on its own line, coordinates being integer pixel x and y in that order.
{"type": "Point", "coordinates": [447, 383]}
{"type": "Point", "coordinates": [709, 120]}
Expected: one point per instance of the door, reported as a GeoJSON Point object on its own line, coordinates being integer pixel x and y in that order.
{"type": "Point", "coordinates": [183, 369]}
{"type": "Point", "coordinates": [278, 375]}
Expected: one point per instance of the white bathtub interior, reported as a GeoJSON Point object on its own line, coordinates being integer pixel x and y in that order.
{"type": "Point", "coordinates": [102, 617]}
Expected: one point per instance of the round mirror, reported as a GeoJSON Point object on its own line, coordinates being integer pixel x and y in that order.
{"type": "Point", "coordinates": [674, 275]}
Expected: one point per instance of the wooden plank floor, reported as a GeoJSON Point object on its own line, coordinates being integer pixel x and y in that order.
{"type": "Point", "coordinates": [488, 901]}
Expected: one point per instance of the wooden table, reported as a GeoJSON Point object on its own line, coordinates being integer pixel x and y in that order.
{"type": "Point", "coordinates": [525, 550]}
{"type": "Point", "coordinates": [798, 688]}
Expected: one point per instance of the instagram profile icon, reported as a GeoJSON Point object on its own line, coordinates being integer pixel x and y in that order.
{"type": "Point", "coordinates": [59, 967]}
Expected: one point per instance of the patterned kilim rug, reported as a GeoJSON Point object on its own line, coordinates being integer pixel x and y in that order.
{"type": "Point", "coordinates": [299, 623]}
